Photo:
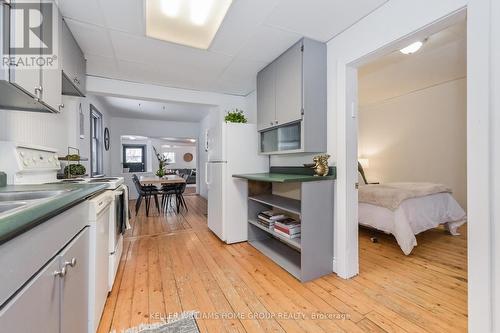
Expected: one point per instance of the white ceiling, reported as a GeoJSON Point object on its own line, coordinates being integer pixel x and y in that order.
{"type": "Point", "coordinates": [442, 58]}
{"type": "Point", "coordinates": [152, 110]}
{"type": "Point", "coordinates": [112, 35]}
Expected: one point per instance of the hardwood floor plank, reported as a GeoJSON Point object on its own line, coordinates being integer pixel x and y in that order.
{"type": "Point", "coordinates": [174, 263]}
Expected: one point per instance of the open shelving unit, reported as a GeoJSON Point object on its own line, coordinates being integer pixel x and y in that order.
{"type": "Point", "coordinates": [311, 255]}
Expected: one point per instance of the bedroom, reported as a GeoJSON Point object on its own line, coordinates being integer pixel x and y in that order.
{"type": "Point", "coordinates": [412, 128]}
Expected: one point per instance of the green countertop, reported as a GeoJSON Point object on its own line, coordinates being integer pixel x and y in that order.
{"type": "Point", "coordinates": [282, 177]}
{"type": "Point", "coordinates": [24, 219]}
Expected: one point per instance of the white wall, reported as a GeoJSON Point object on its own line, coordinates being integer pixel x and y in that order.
{"type": "Point", "coordinates": [54, 130]}
{"type": "Point", "coordinates": [418, 137]}
{"type": "Point", "coordinates": [179, 157]}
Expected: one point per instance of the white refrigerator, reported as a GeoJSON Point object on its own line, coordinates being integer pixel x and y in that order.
{"type": "Point", "coordinates": [234, 151]}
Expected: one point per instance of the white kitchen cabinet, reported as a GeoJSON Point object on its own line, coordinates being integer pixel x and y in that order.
{"type": "Point", "coordinates": [36, 307]}
{"type": "Point", "coordinates": [56, 299]}
{"type": "Point", "coordinates": [73, 64]}
{"type": "Point", "coordinates": [289, 85]}
{"type": "Point", "coordinates": [266, 101]}
{"type": "Point", "coordinates": [291, 103]}
{"type": "Point", "coordinates": [75, 285]}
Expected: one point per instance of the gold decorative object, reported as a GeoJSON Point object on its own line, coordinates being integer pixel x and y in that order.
{"type": "Point", "coordinates": [321, 165]}
{"type": "Point", "coordinates": [188, 157]}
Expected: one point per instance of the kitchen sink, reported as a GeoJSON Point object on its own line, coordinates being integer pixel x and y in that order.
{"type": "Point", "coordinates": [29, 195]}
{"type": "Point", "coordinates": [8, 206]}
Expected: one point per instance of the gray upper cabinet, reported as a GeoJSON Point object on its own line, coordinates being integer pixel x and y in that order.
{"type": "Point", "coordinates": [36, 89]}
{"type": "Point", "coordinates": [73, 64]}
{"type": "Point", "coordinates": [289, 85]}
{"type": "Point", "coordinates": [266, 101]}
{"type": "Point", "coordinates": [291, 100]}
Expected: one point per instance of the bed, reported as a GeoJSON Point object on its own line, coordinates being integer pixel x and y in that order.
{"type": "Point", "coordinates": [407, 209]}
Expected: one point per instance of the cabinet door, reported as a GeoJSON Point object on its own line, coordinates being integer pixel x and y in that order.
{"type": "Point", "coordinates": [289, 85]}
{"type": "Point", "coordinates": [266, 98]}
{"type": "Point", "coordinates": [51, 77]}
{"type": "Point", "coordinates": [75, 285]}
{"type": "Point", "coordinates": [28, 80]}
{"type": "Point", "coordinates": [36, 307]}
{"type": "Point", "coordinates": [73, 62]}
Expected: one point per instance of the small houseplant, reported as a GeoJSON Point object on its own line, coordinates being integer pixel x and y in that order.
{"type": "Point", "coordinates": [236, 116]}
{"type": "Point", "coordinates": [162, 162]}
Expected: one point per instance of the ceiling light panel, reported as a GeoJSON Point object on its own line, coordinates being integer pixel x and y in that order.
{"type": "Point", "coordinates": [187, 22]}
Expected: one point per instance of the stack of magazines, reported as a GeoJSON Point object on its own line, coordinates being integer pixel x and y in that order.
{"type": "Point", "coordinates": [268, 218]}
{"type": "Point", "coordinates": [289, 228]}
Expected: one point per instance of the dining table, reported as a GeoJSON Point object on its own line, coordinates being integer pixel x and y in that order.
{"type": "Point", "coordinates": [166, 180]}
{"type": "Point", "coordinates": [154, 180]}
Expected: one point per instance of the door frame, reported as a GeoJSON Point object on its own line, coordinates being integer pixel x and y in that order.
{"type": "Point", "coordinates": [343, 96]}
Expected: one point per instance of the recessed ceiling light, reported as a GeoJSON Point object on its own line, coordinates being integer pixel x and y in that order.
{"type": "Point", "coordinates": [412, 48]}
{"type": "Point", "coordinates": [187, 22]}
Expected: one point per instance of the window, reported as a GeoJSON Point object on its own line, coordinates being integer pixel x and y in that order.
{"type": "Point", "coordinates": [170, 156]}
{"type": "Point", "coordinates": [96, 142]}
{"type": "Point", "coordinates": [134, 158]}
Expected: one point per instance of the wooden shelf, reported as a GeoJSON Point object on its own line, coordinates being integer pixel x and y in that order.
{"type": "Point", "coordinates": [283, 255]}
{"type": "Point", "coordinates": [286, 204]}
{"type": "Point", "coordinates": [295, 242]}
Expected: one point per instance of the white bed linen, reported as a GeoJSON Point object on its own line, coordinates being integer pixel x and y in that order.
{"type": "Point", "coordinates": [413, 216]}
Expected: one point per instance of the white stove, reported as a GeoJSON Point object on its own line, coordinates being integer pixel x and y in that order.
{"type": "Point", "coordinates": [112, 182]}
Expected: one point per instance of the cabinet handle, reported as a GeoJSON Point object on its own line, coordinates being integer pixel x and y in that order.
{"type": "Point", "coordinates": [60, 273]}
{"type": "Point", "coordinates": [71, 263]}
{"type": "Point", "coordinates": [61, 106]}
{"type": "Point", "coordinates": [38, 91]}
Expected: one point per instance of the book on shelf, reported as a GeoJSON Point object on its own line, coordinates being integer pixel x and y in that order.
{"type": "Point", "coordinates": [272, 215]}
{"type": "Point", "coordinates": [265, 224]}
{"type": "Point", "coordinates": [294, 236]}
{"type": "Point", "coordinates": [288, 223]}
{"type": "Point", "coordinates": [288, 231]}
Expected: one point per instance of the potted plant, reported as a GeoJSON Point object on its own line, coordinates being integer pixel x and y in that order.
{"type": "Point", "coordinates": [162, 162]}
{"type": "Point", "coordinates": [236, 116]}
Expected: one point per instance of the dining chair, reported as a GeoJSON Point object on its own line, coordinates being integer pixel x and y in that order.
{"type": "Point", "coordinates": [145, 192]}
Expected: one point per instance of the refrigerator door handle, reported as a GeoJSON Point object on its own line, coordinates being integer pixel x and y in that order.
{"type": "Point", "coordinates": [206, 174]}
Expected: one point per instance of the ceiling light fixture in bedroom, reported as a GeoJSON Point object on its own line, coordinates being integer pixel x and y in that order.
{"type": "Point", "coordinates": [412, 48]}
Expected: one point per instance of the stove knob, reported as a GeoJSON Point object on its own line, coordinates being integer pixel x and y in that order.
{"type": "Point", "coordinates": [50, 159]}
{"type": "Point", "coordinates": [25, 162]}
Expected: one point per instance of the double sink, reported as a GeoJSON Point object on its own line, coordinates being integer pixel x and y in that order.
{"type": "Point", "coordinates": [11, 202]}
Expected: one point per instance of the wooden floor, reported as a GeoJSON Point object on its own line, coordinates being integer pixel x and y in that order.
{"type": "Point", "coordinates": [174, 263]}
